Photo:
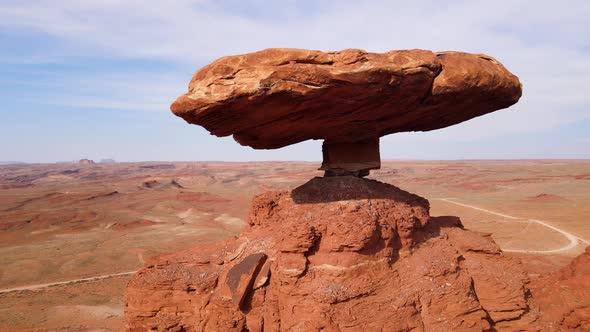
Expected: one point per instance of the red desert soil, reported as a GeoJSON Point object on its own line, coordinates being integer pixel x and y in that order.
{"type": "Point", "coordinates": [64, 222]}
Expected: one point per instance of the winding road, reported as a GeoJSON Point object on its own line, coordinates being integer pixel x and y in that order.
{"type": "Point", "coordinates": [66, 282]}
{"type": "Point", "coordinates": [574, 240]}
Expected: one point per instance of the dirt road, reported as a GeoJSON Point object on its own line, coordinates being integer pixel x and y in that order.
{"type": "Point", "coordinates": [89, 279]}
{"type": "Point", "coordinates": [574, 240]}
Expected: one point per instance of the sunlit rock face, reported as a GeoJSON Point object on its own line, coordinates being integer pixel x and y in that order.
{"type": "Point", "coordinates": [336, 254]}
{"type": "Point", "coordinates": [277, 97]}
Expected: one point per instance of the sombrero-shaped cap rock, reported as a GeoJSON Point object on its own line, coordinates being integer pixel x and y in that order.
{"type": "Point", "coordinates": [277, 97]}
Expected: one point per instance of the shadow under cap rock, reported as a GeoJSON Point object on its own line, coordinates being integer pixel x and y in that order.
{"type": "Point", "coordinates": [345, 188]}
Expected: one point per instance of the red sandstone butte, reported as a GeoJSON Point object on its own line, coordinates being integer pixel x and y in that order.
{"type": "Point", "coordinates": [344, 254]}
{"type": "Point", "coordinates": [277, 97]}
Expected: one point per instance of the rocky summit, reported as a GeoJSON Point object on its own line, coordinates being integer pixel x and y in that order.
{"type": "Point", "coordinates": [343, 253]}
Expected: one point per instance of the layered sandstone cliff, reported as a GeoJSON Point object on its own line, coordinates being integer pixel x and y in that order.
{"type": "Point", "coordinates": [336, 254]}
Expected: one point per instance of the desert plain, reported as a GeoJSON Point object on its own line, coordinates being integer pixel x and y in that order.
{"type": "Point", "coordinates": [71, 235]}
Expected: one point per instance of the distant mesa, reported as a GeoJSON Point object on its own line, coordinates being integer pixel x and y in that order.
{"type": "Point", "coordinates": [86, 162]}
{"type": "Point", "coordinates": [107, 161]}
{"type": "Point", "coordinates": [158, 166]}
{"type": "Point", "coordinates": [278, 97]}
{"type": "Point", "coordinates": [6, 163]}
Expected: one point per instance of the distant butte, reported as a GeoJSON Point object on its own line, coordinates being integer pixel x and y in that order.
{"type": "Point", "coordinates": [277, 97]}
{"type": "Point", "coordinates": [86, 162]}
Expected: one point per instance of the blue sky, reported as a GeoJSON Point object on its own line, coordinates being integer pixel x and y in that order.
{"type": "Point", "coordinates": [94, 79]}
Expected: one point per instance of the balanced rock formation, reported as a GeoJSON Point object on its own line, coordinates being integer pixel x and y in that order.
{"type": "Point", "coordinates": [336, 254]}
{"type": "Point", "coordinates": [277, 97]}
{"type": "Point", "coordinates": [342, 253]}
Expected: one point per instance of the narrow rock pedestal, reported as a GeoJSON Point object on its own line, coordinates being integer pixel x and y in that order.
{"type": "Point", "coordinates": [355, 159]}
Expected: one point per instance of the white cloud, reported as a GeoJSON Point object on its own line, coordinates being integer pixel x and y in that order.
{"type": "Point", "coordinates": [544, 42]}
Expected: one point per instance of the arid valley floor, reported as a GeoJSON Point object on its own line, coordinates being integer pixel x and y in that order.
{"type": "Point", "coordinates": [71, 235]}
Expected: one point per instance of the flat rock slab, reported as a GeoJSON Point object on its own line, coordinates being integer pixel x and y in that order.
{"type": "Point", "coordinates": [277, 97]}
{"type": "Point", "coordinates": [241, 276]}
{"type": "Point", "coordinates": [263, 275]}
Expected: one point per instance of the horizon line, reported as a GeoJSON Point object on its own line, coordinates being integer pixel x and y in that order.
{"type": "Point", "coordinates": [16, 163]}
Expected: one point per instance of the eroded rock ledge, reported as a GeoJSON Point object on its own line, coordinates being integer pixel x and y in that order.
{"type": "Point", "coordinates": [336, 254]}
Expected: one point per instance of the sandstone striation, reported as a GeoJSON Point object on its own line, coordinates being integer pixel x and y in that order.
{"type": "Point", "coordinates": [336, 254]}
